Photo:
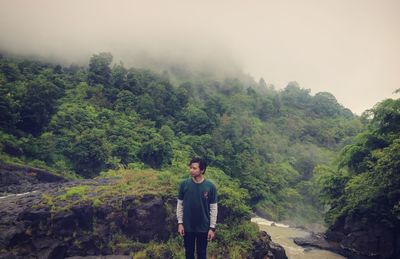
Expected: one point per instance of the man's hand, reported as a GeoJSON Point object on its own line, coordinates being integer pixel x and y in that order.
{"type": "Point", "coordinates": [181, 229]}
{"type": "Point", "coordinates": [211, 235]}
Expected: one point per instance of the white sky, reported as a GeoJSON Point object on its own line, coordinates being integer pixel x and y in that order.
{"type": "Point", "coordinates": [350, 48]}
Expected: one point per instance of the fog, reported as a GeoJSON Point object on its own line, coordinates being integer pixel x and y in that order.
{"type": "Point", "coordinates": [348, 48]}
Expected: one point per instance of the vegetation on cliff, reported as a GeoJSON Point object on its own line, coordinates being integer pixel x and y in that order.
{"type": "Point", "coordinates": [367, 180]}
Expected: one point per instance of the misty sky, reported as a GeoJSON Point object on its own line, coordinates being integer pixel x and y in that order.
{"type": "Point", "coordinates": [350, 48]}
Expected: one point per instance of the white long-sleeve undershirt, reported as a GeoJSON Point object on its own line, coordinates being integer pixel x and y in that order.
{"type": "Point", "coordinates": [213, 214]}
{"type": "Point", "coordinates": [179, 211]}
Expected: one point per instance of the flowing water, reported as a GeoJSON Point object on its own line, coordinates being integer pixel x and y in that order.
{"type": "Point", "coordinates": [283, 235]}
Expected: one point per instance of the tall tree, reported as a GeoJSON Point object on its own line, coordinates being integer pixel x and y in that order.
{"type": "Point", "coordinates": [99, 69]}
{"type": "Point", "coordinates": [38, 104]}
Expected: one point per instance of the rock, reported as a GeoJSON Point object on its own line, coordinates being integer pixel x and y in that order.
{"type": "Point", "coordinates": [20, 179]}
{"type": "Point", "coordinates": [81, 230]}
{"type": "Point", "coordinates": [376, 241]}
{"type": "Point", "coordinates": [53, 249]}
{"type": "Point", "coordinates": [31, 230]}
{"type": "Point", "coordinates": [364, 236]}
{"type": "Point", "coordinates": [263, 247]}
{"type": "Point", "coordinates": [63, 223]}
{"type": "Point", "coordinates": [145, 219]}
{"type": "Point", "coordinates": [319, 241]}
{"type": "Point", "coordinates": [33, 215]}
{"type": "Point", "coordinates": [7, 255]}
{"type": "Point", "coordinates": [84, 216]}
{"type": "Point", "coordinates": [12, 235]}
{"type": "Point", "coordinates": [334, 236]}
{"type": "Point", "coordinates": [365, 241]}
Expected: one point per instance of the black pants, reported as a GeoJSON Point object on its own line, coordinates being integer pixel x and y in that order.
{"type": "Point", "coordinates": [198, 238]}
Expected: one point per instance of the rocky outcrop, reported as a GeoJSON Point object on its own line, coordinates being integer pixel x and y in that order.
{"type": "Point", "coordinates": [28, 231]}
{"type": "Point", "coordinates": [358, 237]}
{"type": "Point", "coordinates": [33, 227]}
{"type": "Point", "coordinates": [319, 241]}
{"type": "Point", "coordinates": [21, 179]}
{"type": "Point", "coordinates": [264, 248]}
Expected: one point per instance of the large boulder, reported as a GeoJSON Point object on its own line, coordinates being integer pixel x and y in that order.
{"type": "Point", "coordinates": [366, 236]}
{"type": "Point", "coordinates": [358, 237]}
{"type": "Point", "coordinates": [264, 248]}
{"type": "Point", "coordinates": [81, 230]}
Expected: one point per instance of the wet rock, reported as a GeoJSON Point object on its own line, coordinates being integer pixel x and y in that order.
{"type": "Point", "coordinates": [356, 245]}
{"type": "Point", "coordinates": [366, 236]}
{"type": "Point", "coordinates": [264, 248]}
{"type": "Point", "coordinates": [319, 241]}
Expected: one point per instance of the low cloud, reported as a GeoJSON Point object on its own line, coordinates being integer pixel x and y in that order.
{"type": "Point", "coordinates": [348, 48]}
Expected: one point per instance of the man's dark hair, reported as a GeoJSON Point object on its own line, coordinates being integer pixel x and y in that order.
{"type": "Point", "coordinates": [202, 163]}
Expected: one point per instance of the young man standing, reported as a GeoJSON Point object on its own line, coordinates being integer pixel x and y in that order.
{"type": "Point", "coordinates": [197, 210]}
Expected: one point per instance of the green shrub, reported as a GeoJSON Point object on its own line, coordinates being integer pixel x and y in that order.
{"type": "Point", "coordinates": [76, 191]}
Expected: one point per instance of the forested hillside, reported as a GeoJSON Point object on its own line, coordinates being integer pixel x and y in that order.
{"type": "Point", "coordinates": [366, 182]}
{"type": "Point", "coordinates": [80, 121]}
{"type": "Point", "coordinates": [362, 190]}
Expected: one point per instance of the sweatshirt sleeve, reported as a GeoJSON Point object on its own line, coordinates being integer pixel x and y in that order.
{"type": "Point", "coordinates": [179, 204]}
{"type": "Point", "coordinates": [213, 208]}
{"type": "Point", "coordinates": [213, 214]}
{"type": "Point", "coordinates": [179, 211]}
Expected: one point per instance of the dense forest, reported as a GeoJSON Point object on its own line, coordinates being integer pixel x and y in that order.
{"type": "Point", "coordinates": [366, 180]}
{"type": "Point", "coordinates": [280, 146]}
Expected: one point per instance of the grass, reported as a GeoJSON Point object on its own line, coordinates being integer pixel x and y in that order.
{"type": "Point", "coordinates": [128, 182]}
{"type": "Point", "coordinates": [172, 248]}
{"type": "Point", "coordinates": [143, 182]}
{"type": "Point", "coordinates": [76, 191]}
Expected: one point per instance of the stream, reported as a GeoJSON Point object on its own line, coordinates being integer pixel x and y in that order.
{"type": "Point", "coordinates": [283, 235]}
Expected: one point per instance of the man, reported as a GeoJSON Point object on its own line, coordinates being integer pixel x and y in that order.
{"type": "Point", "coordinates": [197, 210]}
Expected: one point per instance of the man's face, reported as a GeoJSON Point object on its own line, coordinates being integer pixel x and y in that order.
{"type": "Point", "coordinates": [194, 169]}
